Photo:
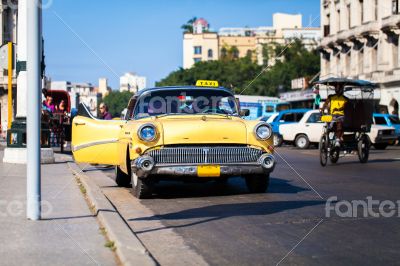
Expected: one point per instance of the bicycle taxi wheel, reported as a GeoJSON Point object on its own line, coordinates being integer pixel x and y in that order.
{"type": "Point", "coordinates": [363, 149]}
{"type": "Point", "coordinates": [323, 150]}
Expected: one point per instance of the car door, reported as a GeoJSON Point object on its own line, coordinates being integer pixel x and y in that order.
{"type": "Point", "coordinates": [314, 127]}
{"type": "Point", "coordinates": [95, 141]}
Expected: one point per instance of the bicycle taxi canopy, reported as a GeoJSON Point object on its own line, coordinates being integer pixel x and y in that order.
{"type": "Point", "coordinates": [359, 110]}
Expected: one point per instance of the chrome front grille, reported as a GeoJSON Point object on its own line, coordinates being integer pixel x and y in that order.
{"type": "Point", "coordinates": [205, 155]}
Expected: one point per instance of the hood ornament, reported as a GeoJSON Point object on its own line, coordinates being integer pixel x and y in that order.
{"type": "Point", "coordinates": [204, 118]}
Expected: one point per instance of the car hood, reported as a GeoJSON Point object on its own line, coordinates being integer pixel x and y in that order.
{"type": "Point", "coordinates": [203, 129]}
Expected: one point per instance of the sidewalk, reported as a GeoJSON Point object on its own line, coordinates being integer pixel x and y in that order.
{"type": "Point", "coordinates": [68, 234]}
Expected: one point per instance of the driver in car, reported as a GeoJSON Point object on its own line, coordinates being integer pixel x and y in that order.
{"type": "Point", "coordinates": [337, 103]}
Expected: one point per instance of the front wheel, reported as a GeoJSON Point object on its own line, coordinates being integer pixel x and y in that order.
{"type": "Point", "coordinates": [323, 150]}
{"type": "Point", "coordinates": [278, 141]}
{"type": "Point", "coordinates": [257, 183]}
{"type": "Point", "coordinates": [142, 187]}
{"type": "Point", "coordinates": [363, 149]}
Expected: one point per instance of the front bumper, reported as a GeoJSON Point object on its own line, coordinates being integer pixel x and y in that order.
{"type": "Point", "coordinates": [385, 139]}
{"type": "Point", "coordinates": [142, 168]}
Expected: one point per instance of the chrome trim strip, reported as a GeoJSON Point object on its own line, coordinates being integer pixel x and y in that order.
{"type": "Point", "coordinates": [94, 143]}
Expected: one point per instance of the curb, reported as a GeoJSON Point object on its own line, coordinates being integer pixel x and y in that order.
{"type": "Point", "coordinates": [129, 249]}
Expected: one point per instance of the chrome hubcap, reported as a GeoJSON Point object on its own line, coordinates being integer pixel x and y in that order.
{"type": "Point", "coordinates": [301, 142]}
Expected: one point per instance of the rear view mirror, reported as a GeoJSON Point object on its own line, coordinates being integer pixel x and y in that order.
{"type": "Point", "coordinates": [244, 112]}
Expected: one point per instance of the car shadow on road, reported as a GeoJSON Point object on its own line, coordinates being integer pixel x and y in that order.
{"type": "Point", "coordinates": [235, 186]}
{"type": "Point", "coordinates": [223, 211]}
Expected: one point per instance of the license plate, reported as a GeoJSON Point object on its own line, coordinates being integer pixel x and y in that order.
{"type": "Point", "coordinates": [208, 171]}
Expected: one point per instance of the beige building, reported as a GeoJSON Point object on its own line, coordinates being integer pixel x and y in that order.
{"type": "Point", "coordinates": [199, 47]}
{"type": "Point", "coordinates": [361, 40]}
{"type": "Point", "coordinates": [8, 33]}
{"type": "Point", "coordinates": [203, 45]}
{"type": "Point", "coordinates": [103, 88]}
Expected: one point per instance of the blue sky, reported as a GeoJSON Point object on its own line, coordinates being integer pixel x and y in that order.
{"type": "Point", "coordinates": [114, 37]}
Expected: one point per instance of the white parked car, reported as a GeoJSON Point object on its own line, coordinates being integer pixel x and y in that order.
{"type": "Point", "coordinates": [309, 130]}
{"type": "Point", "coordinates": [382, 136]}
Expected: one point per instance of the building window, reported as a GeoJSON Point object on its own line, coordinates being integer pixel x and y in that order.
{"type": "Point", "coordinates": [249, 53]}
{"type": "Point", "coordinates": [197, 50]}
{"type": "Point", "coordinates": [395, 6]}
{"type": "Point", "coordinates": [210, 54]}
{"type": "Point", "coordinates": [326, 30]}
{"type": "Point", "coordinates": [348, 16]}
{"type": "Point", "coordinates": [196, 60]}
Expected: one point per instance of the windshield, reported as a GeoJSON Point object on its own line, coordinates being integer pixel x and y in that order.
{"type": "Point", "coordinates": [185, 102]}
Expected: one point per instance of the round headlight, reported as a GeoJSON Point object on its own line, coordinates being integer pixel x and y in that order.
{"type": "Point", "coordinates": [147, 132]}
{"type": "Point", "coordinates": [263, 131]}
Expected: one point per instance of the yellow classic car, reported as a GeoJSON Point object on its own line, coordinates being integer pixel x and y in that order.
{"type": "Point", "coordinates": [183, 132]}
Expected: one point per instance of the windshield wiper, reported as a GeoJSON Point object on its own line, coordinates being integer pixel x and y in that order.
{"type": "Point", "coordinates": [162, 115]}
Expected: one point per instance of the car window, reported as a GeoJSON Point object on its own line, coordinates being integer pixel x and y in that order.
{"type": "Point", "coordinates": [394, 120]}
{"type": "Point", "coordinates": [269, 108]}
{"type": "Point", "coordinates": [314, 118]}
{"type": "Point", "coordinates": [379, 120]}
{"type": "Point", "coordinates": [289, 117]}
{"type": "Point", "coordinates": [299, 116]}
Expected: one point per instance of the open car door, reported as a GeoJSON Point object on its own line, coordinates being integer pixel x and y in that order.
{"type": "Point", "coordinates": [93, 140]}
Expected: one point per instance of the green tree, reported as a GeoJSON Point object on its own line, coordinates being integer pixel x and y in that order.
{"type": "Point", "coordinates": [117, 102]}
{"type": "Point", "coordinates": [188, 26]}
{"type": "Point", "coordinates": [244, 74]}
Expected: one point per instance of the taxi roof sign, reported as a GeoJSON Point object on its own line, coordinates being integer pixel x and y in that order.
{"type": "Point", "coordinates": [207, 83]}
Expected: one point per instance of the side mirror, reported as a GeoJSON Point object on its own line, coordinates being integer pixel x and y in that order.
{"type": "Point", "coordinates": [244, 112]}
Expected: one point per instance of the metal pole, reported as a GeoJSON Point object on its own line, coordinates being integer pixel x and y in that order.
{"type": "Point", "coordinates": [34, 110]}
{"type": "Point", "coordinates": [10, 92]}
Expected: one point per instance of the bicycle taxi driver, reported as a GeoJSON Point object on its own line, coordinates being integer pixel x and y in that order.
{"type": "Point", "coordinates": [336, 104]}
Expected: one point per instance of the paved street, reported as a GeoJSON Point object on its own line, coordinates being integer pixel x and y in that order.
{"type": "Point", "coordinates": [288, 225]}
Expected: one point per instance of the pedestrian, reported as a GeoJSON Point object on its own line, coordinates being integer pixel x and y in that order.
{"type": "Point", "coordinates": [104, 114]}
{"type": "Point", "coordinates": [49, 103]}
{"type": "Point", "coordinates": [61, 107]}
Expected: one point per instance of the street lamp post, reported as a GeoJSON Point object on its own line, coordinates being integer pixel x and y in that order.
{"type": "Point", "coordinates": [34, 40]}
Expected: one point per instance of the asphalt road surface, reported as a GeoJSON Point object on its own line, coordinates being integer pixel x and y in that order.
{"type": "Point", "coordinates": [208, 223]}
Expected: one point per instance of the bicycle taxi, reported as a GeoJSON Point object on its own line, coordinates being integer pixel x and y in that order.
{"type": "Point", "coordinates": [357, 120]}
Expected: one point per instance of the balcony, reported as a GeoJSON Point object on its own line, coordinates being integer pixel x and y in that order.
{"type": "Point", "coordinates": [391, 23]}
{"type": "Point", "coordinates": [366, 29]}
